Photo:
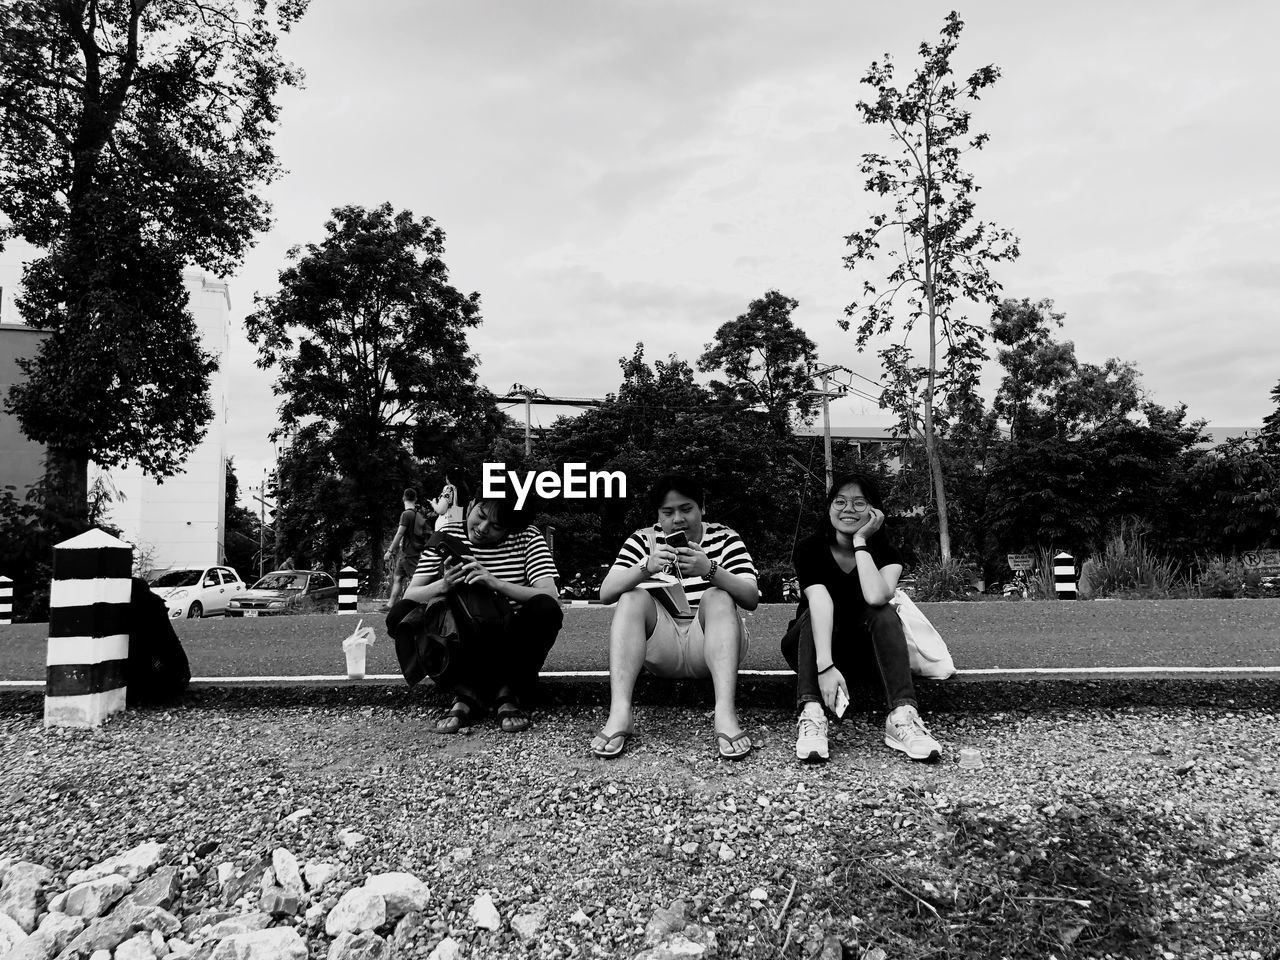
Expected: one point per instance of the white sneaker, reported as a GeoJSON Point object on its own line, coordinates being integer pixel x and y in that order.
{"type": "Point", "coordinates": [811, 740]}
{"type": "Point", "coordinates": [905, 731]}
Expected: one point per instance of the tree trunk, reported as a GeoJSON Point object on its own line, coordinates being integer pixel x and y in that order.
{"type": "Point", "coordinates": [67, 484]}
{"type": "Point", "coordinates": [930, 441]}
{"type": "Point", "coordinates": [376, 548]}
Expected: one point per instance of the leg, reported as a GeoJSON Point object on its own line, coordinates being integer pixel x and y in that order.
{"type": "Point", "coordinates": [802, 656]}
{"type": "Point", "coordinates": [525, 645]}
{"type": "Point", "coordinates": [722, 646]}
{"type": "Point", "coordinates": [889, 647]}
{"type": "Point", "coordinates": [634, 619]}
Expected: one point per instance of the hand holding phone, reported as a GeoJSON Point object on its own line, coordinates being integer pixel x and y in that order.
{"type": "Point", "coordinates": [677, 540]}
{"type": "Point", "coordinates": [842, 702]}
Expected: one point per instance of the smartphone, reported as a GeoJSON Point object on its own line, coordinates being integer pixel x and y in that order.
{"type": "Point", "coordinates": [678, 539]}
{"type": "Point", "coordinates": [842, 702]}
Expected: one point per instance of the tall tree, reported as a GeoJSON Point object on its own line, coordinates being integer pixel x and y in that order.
{"type": "Point", "coordinates": [939, 254]}
{"type": "Point", "coordinates": [370, 339]}
{"type": "Point", "coordinates": [765, 359]}
{"type": "Point", "coordinates": [134, 136]}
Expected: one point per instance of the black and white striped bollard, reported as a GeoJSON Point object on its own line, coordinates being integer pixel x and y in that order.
{"type": "Point", "coordinates": [1064, 576]}
{"type": "Point", "coordinates": [6, 601]}
{"type": "Point", "coordinates": [348, 586]}
{"type": "Point", "coordinates": [88, 630]}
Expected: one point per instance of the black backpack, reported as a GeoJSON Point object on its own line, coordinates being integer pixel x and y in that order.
{"type": "Point", "coordinates": [157, 670]}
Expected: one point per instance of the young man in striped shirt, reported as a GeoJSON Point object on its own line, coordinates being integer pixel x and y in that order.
{"type": "Point", "coordinates": [511, 558]}
{"type": "Point", "coordinates": [648, 632]}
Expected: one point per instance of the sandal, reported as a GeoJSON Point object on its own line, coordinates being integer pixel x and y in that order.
{"type": "Point", "coordinates": [512, 717]}
{"type": "Point", "coordinates": [461, 714]}
{"type": "Point", "coordinates": [738, 746]}
{"type": "Point", "coordinates": [603, 743]}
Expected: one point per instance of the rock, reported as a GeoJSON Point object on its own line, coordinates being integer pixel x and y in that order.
{"type": "Point", "coordinates": [278, 943]}
{"type": "Point", "coordinates": [23, 894]}
{"type": "Point", "coordinates": [689, 848]}
{"type": "Point", "coordinates": [446, 949]}
{"type": "Point", "coordinates": [662, 923]}
{"type": "Point", "coordinates": [288, 875]}
{"type": "Point", "coordinates": [528, 923]}
{"type": "Point", "coordinates": [207, 919]}
{"type": "Point", "coordinates": [160, 889]}
{"type": "Point", "coordinates": [158, 945]}
{"type": "Point", "coordinates": [12, 936]}
{"type": "Point", "coordinates": [180, 948]}
{"type": "Point", "coordinates": [100, 955]}
{"type": "Point", "coordinates": [239, 924]}
{"type": "Point", "coordinates": [280, 902]}
{"type": "Point", "coordinates": [56, 930]}
{"type": "Point", "coordinates": [675, 947]}
{"type": "Point", "coordinates": [408, 927]}
{"type": "Point", "coordinates": [107, 933]}
{"type": "Point", "coordinates": [759, 894]}
{"type": "Point", "coordinates": [874, 954]}
{"type": "Point", "coordinates": [358, 910]}
{"type": "Point", "coordinates": [833, 950]}
{"type": "Point", "coordinates": [351, 838]}
{"type": "Point", "coordinates": [314, 915]}
{"type": "Point", "coordinates": [298, 815]}
{"type": "Point", "coordinates": [132, 864]}
{"type": "Point", "coordinates": [207, 847]}
{"type": "Point", "coordinates": [403, 892]}
{"type": "Point", "coordinates": [359, 946]}
{"type": "Point", "coordinates": [580, 918]}
{"type": "Point", "coordinates": [91, 899]}
{"type": "Point", "coordinates": [137, 947]}
{"type": "Point", "coordinates": [318, 874]}
{"type": "Point", "coordinates": [461, 855]}
{"type": "Point", "coordinates": [725, 852]}
{"type": "Point", "coordinates": [484, 914]}
{"type": "Point", "coordinates": [226, 873]}
{"type": "Point", "coordinates": [243, 884]}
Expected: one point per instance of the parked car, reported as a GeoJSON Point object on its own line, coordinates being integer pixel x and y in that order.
{"type": "Point", "coordinates": [286, 591]}
{"type": "Point", "coordinates": [197, 591]}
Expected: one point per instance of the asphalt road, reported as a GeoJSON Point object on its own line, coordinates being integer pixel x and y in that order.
{"type": "Point", "coordinates": [1173, 635]}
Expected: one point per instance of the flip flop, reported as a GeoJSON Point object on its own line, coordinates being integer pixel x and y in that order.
{"type": "Point", "coordinates": [607, 750]}
{"type": "Point", "coordinates": [512, 718]}
{"type": "Point", "coordinates": [734, 753]}
{"type": "Point", "coordinates": [460, 715]}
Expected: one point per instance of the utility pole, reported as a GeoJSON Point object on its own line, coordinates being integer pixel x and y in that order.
{"type": "Point", "coordinates": [824, 371]}
{"type": "Point", "coordinates": [528, 393]}
{"type": "Point", "coordinates": [262, 520]}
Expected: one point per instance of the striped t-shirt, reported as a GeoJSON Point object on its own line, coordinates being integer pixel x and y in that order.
{"type": "Point", "coordinates": [719, 543]}
{"type": "Point", "coordinates": [522, 558]}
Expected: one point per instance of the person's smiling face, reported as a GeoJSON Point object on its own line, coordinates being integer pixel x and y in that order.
{"type": "Point", "coordinates": [679, 512]}
{"type": "Point", "coordinates": [483, 527]}
{"type": "Point", "coordinates": [849, 509]}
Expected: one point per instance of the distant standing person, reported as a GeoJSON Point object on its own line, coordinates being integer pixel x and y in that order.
{"type": "Point", "coordinates": [845, 626]}
{"type": "Point", "coordinates": [411, 535]}
{"type": "Point", "coordinates": [448, 506]}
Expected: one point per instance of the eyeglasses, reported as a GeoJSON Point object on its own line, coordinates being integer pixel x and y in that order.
{"type": "Point", "coordinates": [840, 503]}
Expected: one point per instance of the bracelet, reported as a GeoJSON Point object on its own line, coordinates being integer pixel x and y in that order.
{"type": "Point", "coordinates": [861, 546]}
{"type": "Point", "coordinates": [711, 571]}
{"type": "Point", "coordinates": [825, 669]}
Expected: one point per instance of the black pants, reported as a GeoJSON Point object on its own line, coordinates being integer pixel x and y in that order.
{"type": "Point", "coordinates": [510, 659]}
{"type": "Point", "coordinates": [870, 651]}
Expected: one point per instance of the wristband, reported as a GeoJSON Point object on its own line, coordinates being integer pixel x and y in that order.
{"type": "Point", "coordinates": [711, 571]}
{"type": "Point", "coordinates": [825, 669]}
{"type": "Point", "coordinates": [861, 546]}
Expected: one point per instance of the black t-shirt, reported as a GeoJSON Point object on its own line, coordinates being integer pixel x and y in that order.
{"type": "Point", "coordinates": [815, 565]}
{"type": "Point", "coordinates": [416, 530]}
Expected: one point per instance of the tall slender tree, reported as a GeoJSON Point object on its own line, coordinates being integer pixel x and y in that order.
{"type": "Point", "coordinates": [939, 255]}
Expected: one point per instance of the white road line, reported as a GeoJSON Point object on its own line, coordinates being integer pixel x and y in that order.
{"type": "Point", "coordinates": [982, 672]}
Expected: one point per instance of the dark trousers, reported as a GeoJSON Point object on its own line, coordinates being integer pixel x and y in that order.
{"type": "Point", "coordinates": [873, 651]}
{"type": "Point", "coordinates": [508, 659]}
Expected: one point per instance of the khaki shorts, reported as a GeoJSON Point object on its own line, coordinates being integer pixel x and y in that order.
{"type": "Point", "coordinates": [676, 649]}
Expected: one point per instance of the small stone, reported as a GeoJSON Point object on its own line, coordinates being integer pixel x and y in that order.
{"type": "Point", "coordinates": [277, 943]}
{"type": "Point", "coordinates": [132, 864]}
{"type": "Point", "coordinates": [874, 954]}
{"type": "Point", "coordinates": [209, 918]}
{"type": "Point", "coordinates": [207, 847]}
{"type": "Point", "coordinates": [675, 947]}
{"type": "Point", "coordinates": [663, 923]}
{"type": "Point", "coordinates": [580, 918]}
{"type": "Point", "coordinates": [318, 873]}
{"type": "Point", "coordinates": [725, 852]}
{"type": "Point", "coordinates": [403, 892]}
{"type": "Point", "coordinates": [446, 949]}
{"type": "Point", "coordinates": [689, 848]}
{"type": "Point", "coordinates": [225, 873]}
{"type": "Point", "coordinates": [528, 922]}
{"type": "Point", "coordinates": [280, 902]}
{"type": "Point", "coordinates": [351, 838]}
{"type": "Point", "coordinates": [357, 910]}
{"type": "Point", "coordinates": [409, 926]}
{"type": "Point", "coordinates": [461, 855]}
{"type": "Point", "coordinates": [484, 914]}
{"type": "Point", "coordinates": [1185, 768]}
{"type": "Point", "coordinates": [288, 876]}
{"type": "Point", "coordinates": [241, 924]}
{"type": "Point", "coordinates": [359, 946]}
{"type": "Point", "coordinates": [759, 894]}
{"type": "Point", "coordinates": [297, 815]}
{"type": "Point", "coordinates": [179, 947]}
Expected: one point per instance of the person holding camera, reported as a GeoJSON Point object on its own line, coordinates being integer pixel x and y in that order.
{"type": "Point", "coordinates": [846, 627]}
{"type": "Point", "coordinates": [678, 586]}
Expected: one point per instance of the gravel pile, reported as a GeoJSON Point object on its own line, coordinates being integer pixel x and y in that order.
{"type": "Point", "coordinates": [291, 818]}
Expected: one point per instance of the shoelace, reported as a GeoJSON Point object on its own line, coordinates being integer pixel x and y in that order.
{"type": "Point", "coordinates": [912, 725]}
{"type": "Point", "coordinates": [810, 727]}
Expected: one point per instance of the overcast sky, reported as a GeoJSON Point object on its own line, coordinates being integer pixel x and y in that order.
{"type": "Point", "coordinates": [610, 172]}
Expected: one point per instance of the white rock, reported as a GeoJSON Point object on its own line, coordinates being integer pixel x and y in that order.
{"type": "Point", "coordinates": [318, 873]}
{"type": "Point", "coordinates": [726, 852]}
{"type": "Point", "coordinates": [528, 922]}
{"type": "Point", "coordinates": [235, 926]}
{"type": "Point", "coordinates": [461, 854]}
{"type": "Point", "coordinates": [91, 899]}
{"type": "Point", "coordinates": [132, 864]}
{"type": "Point", "coordinates": [403, 892]}
{"type": "Point", "coordinates": [760, 894]}
{"type": "Point", "coordinates": [158, 946]}
{"type": "Point", "coordinates": [484, 914]}
{"type": "Point", "coordinates": [359, 946]}
{"type": "Point", "coordinates": [277, 943]}
{"type": "Point", "coordinates": [359, 909]}
{"type": "Point", "coordinates": [12, 936]}
{"type": "Point", "coordinates": [100, 955]}
{"type": "Point", "coordinates": [674, 947]}
{"type": "Point", "coordinates": [314, 914]}
{"type": "Point", "coordinates": [180, 948]}
{"type": "Point", "coordinates": [23, 894]}
{"type": "Point", "coordinates": [298, 815]}
{"type": "Point", "coordinates": [446, 949]}
{"type": "Point", "coordinates": [351, 838]}
{"type": "Point", "coordinates": [56, 930]}
{"type": "Point", "coordinates": [580, 919]}
{"type": "Point", "coordinates": [287, 873]}
{"type": "Point", "coordinates": [137, 947]}
{"type": "Point", "coordinates": [226, 873]}
{"type": "Point", "coordinates": [267, 880]}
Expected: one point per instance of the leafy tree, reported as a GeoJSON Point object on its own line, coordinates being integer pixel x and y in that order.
{"type": "Point", "coordinates": [1271, 422]}
{"type": "Point", "coordinates": [938, 253]}
{"type": "Point", "coordinates": [370, 340]}
{"type": "Point", "coordinates": [240, 541]}
{"type": "Point", "coordinates": [134, 135]}
{"type": "Point", "coordinates": [765, 359]}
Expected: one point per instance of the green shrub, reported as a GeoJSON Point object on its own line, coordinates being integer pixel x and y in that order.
{"type": "Point", "coordinates": [945, 580]}
{"type": "Point", "coordinates": [1227, 578]}
{"type": "Point", "coordinates": [1126, 567]}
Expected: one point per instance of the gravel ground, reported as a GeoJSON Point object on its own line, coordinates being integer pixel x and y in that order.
{"type": "Point", "coordinates": [1173, 808]}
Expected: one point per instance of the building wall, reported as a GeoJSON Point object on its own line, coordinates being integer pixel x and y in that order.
{"type": "Point", "coordinates": [21, 460]}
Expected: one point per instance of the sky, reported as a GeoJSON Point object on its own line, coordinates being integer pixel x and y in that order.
{"type": "Point", "coordinates": [608, 173]}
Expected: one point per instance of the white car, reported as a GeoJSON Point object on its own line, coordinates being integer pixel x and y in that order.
{"type": "Point", "coordinates": [197, 591]}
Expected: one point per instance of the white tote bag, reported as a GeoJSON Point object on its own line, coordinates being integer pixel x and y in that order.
{"type": "Point", "coordinates": [928, 651]}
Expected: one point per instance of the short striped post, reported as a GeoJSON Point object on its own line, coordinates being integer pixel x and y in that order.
{"type": "Point", "coordinates": [348, 586]}
{"type": "Point", "coordinates": [88, 630]}
{"type": "Point", "coordinates": [6, 601]}
{"type": "Point", "coordinates": [1064, 576]}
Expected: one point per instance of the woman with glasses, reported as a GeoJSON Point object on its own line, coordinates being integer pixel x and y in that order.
{"type": "Point", "coordinates": [845, 626]}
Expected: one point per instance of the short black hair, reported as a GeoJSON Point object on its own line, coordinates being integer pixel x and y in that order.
{"type": "Point", "coordinates": [870, 490]}
{"type": "Point", "coordinates": [411, 494]}
{"type": "Point", "coordinates": [503, 509]}
{"type": "Point", "coordinates": [678, 482]}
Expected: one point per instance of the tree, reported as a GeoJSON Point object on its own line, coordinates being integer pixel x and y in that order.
{"type": "Point", "coordinates": [370, 340]}
{"type": "Point", "coordinates": [134, 135]}
{"type": "Point", "coordinates": [240, 540]}
{"type": "Point", "coordinates": [938, 253]}
{"type": "Point", "coordinates": [765, 359]}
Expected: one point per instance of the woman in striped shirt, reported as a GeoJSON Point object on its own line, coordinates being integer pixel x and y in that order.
{"type": "Point", "coordinates": [651, 629]}
{"type": "Point", "coordinates": [510, 557]}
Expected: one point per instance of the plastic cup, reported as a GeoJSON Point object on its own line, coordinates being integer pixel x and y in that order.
{"type": "Point", "coordinates": [970, 758]}
{"type": "Point", "coordinates": [356, 653]}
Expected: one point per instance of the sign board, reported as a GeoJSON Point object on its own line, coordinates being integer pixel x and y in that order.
{"type": "Point", "coordinates": [1021, 561]}
{"type": "Point", "coordinates": [1266, 562]}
